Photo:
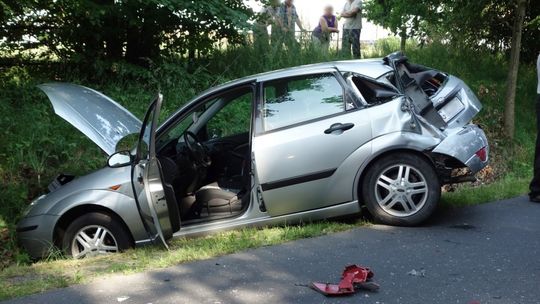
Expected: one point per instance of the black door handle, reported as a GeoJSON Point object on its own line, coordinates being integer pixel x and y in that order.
{"type": "Point", "coordinates": [339, 127]}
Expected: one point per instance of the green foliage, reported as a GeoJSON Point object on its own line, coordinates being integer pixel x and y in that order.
{"type": "Point", "coordinates": [234, 119]}
{"type": "Point", "coordinates": [479, 25]}
{"type": "Point", "coordinates": [406, 18]}
{"type": "Point", "coordinates": [138, 30]}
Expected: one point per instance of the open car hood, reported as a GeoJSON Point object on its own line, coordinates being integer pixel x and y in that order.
{"type": "Point", "coordinates": [100, 118]}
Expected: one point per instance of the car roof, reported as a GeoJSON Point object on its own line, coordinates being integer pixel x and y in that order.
{"type": "Point", "coordinates": [371, 68]}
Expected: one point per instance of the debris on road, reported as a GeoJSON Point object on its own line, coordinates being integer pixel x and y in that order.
{"type": "Point", "coordinates": [417, 273]}
{"type": "Point", "coordinates": [353, 277]}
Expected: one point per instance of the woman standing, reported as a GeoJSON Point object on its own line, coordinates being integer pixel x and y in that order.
{"type": "Point", "coordinates": [328, 24]}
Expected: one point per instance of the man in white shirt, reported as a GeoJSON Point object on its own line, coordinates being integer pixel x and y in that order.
{"type": "Point", "coordinates": [534, 193]}
{"type": "Point", "coordinates": [352, 26]}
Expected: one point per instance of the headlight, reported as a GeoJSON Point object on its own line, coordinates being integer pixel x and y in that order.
{"type": "Point", "coordinates": [32, 204]}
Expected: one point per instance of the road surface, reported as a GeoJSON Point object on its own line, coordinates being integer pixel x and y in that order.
{"type": "Point", "coordinates": [482, 254]}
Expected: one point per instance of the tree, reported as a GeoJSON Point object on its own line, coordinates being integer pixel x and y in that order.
{"type": "Point", "coordinates": [484, 25]}
{"type": "Point", "coordinates": [487, 25]}
{"type": "Point", "coordinates": [515, 50]}
{"type": "Point", "coordinates": [405, 18]}
{"type": "Point", "coordinates": [135, 30]}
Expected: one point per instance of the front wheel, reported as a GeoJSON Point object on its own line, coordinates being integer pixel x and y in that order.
{"type": "Point", "coordinates": [401, 190]}
{"type": "Point", "coordinates": [95, 234]}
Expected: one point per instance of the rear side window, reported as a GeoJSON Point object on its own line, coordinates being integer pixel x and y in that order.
{"type": "Point", "coordinates": [300, 99]}
{"type": "Point", "coordinates": [374, 92]}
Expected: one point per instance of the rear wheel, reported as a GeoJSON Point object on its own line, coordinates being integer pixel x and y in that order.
{"type": "Point", "coordinates": [401, 189]}
{"type": "Point", "coordinates": [95, 234]}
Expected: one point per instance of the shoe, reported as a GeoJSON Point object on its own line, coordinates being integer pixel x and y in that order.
{"type": "Point", "coordinates": [534, 198]}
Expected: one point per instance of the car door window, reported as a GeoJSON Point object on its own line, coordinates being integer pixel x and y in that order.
{"type": "Point", "coordinates": [234, 118]}
{"type": "Point", "coordinates": [300, 99]}
{"type": "Point", "coordinates": [176, 132]}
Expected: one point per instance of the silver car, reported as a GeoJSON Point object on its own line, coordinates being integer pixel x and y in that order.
{"type": "Point", "coordinates": [301, 144]}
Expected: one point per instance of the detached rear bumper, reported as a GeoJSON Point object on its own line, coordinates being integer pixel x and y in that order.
{"type": "Point", "coordinates": [469, 145]}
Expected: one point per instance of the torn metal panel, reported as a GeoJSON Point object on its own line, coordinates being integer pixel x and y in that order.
{"type": "Point", "coordinates": [392, 117]}
{"type": "Point", "coordinates": [353, 277]}
{"type": "Point", "coordinates": [456, 103]}
{"type": "Point", "coordinates": [468, 145]}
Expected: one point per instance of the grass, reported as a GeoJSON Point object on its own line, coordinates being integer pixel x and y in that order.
{"type": "Point", "coordinates": [31, 154]}
{"type": "Point", "coordinates": [23, 280]}
{"type": "Point", "coordinates": [501, 189]}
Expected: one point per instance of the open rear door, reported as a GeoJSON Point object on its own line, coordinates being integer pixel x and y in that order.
{"type": "Point", "coordinates": [155, 199]}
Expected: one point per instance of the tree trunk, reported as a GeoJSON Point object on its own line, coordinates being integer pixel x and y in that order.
{"type": "Point", "coordinates": [143, 38]}
{"type": "Point", "coordinates": [403, 35]}
{"type": "Point", "coordinates": [511, 83]}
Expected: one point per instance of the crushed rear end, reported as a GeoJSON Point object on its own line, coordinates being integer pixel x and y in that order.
{"type": "Point", "coordinates": [444, 106]}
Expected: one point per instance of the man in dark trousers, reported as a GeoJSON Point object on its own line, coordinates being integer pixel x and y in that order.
{"type": "Point", "coordinates": [534, 195]}
{"type": "Point", "coordinates": [352, 27]}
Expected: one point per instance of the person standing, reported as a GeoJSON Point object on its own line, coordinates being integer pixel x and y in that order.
{"type": "Point", "coordinates": [352, 27]}
{"type": "Point", "coordinates": [288, 19]}
{"type": "Point", "coordinates": [534, 194]}
{"type": "Point", "coordinates": [328, 24]}
{"type": "Point", "coordinates": [267, 17]}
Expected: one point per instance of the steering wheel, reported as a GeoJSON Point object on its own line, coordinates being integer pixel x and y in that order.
{"type": "Point", "coordinates": [197, 151]}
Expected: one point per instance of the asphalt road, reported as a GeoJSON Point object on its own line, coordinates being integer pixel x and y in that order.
{"type": "Point", "coordinates": [482, 254]}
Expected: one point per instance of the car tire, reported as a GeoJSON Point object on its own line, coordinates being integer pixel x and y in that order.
{"type": "Point", "coordinates": [401, 189]}
{"type": "Point", "coordinates": [95, 234]}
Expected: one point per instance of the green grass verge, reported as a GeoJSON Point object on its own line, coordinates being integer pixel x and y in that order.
{"type": "Point", "coordinates": [504, 188]}
{"type": "Point", "coordinates": [20, 280]}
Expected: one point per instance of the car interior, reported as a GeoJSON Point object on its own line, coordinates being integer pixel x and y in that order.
{"type": "Point", "coordinates": [370, 92]}
{"type": "Point", "coordinates": [205, 158]}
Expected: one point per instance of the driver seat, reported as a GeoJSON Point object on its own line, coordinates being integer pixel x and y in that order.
{"type": "Point", "coordinates": [214, 199]}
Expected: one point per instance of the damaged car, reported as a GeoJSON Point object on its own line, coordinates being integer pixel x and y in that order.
{"type": "Point", "coordinates": [296, 145]}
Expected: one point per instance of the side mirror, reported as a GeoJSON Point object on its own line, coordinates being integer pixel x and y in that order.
{"type": "Point", "coordinates": [119, 159]}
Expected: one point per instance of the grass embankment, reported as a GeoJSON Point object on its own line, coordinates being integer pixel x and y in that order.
{"type": "Point", "coordinates": [28, 279]}
{"type": "Point", "coordinates": [37, 145]}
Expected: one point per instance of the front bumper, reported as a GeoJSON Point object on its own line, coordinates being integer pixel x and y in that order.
{"type": "Point", "coordinates": [35, 234]}
{"type": "Point", "coordinates": [464, 144]}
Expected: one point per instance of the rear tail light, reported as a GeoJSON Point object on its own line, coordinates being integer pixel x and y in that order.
{"type": "Point", "coordinates": [482, 154]}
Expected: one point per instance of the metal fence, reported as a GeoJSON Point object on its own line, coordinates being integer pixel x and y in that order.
{"type": "Point", "coordinates": [305, 38]}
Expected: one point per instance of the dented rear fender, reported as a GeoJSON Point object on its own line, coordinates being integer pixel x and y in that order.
{"type": "Point", "coordinates": [469, 145]}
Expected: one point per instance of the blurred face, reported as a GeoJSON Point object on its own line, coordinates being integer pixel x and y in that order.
{"type": "Point", "coordinates": [289, 2]}
{"type": "Point", "coordinates": [328, 11]}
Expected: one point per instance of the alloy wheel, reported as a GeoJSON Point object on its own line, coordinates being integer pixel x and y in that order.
{"type": "Point", "coordinates": [401, 190]}
{"type": "Point", "coordinates": [93, 240]}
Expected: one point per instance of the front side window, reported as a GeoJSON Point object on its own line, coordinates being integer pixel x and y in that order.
{"type": "Point", "coordinates": [234, 118]}
{"type": "Point", "coordinates": [300, 99]}
{"type": "Point", "coordinates": [225, 115]}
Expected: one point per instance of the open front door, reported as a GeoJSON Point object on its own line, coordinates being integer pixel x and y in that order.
{"type": "Point", "coordinates": [155, 199]}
